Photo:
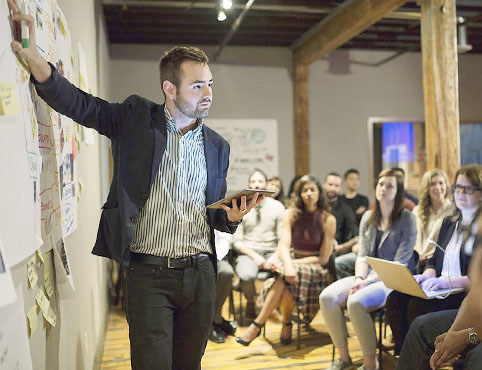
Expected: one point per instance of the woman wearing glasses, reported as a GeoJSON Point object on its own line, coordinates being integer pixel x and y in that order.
{"type": "Point", "coordinates": [449, 265]}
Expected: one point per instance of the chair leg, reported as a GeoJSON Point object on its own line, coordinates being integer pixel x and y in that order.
{"type": "Point", "coordinates": [380, 348]}
{"type": "Point", "coordinates": [298, 327]}
{"type": "Point", "coordinates": [232, 311]}
{"type": "Point", "coordinates": [241, 322]}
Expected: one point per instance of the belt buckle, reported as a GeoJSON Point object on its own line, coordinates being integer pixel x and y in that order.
{"type": "Point", "coordinates": [169, 266]}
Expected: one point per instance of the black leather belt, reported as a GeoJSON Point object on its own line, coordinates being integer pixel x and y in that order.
{"type": "Point", "coordinates": [171, 263]}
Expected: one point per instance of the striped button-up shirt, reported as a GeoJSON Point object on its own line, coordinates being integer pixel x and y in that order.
{"type": "Point", "coordinates": [173, 222]}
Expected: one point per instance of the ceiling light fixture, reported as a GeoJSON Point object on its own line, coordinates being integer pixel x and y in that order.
{"type": "Point", "coordinates": [221, 16]}
{"type": "Point", "coordinates": [227, 4]}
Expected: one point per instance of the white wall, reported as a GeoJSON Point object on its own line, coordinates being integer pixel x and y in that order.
{"type": "Point", "coordinates": [80, 328]}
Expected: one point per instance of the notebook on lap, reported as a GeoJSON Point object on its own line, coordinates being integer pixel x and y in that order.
{"type": "Point", "coordinates": [398, 277]}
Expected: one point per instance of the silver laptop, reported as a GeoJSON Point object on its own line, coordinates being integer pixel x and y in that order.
{"type": "Point", "coordinates": [398, 277]}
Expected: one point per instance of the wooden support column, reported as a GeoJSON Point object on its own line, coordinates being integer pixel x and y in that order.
{"type": "Point", "coordinates": [440, 85]}
{"type": "Point", "coordinates": [302, 122]}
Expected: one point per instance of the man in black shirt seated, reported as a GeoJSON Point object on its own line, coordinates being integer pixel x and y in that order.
{"type": "Point", "coordinates": [346, 224]}
{"type": "Point", "coordinates": [357, 202]}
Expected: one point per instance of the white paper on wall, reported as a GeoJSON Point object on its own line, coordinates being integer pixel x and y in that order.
{"type": "Point", "coordinates": [254, 144]}
{"type": "Point", "coordinates": [6, 283]}
{"type": "Point", "coordinates": [14, 343]}
{"type": "Point", "coordinates": [18, 220]}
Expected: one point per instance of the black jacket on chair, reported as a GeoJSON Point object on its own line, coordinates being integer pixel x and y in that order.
{"type": "Point", "coordinates": [137, 129]}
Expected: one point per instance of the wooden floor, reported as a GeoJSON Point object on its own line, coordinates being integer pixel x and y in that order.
{"type": "Point", "coordinates": [315, 351]}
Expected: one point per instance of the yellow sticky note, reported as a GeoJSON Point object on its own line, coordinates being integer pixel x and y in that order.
{"type": "Point", "coordinates": [48, 284]}
{"type": "Point", "coordinates": [50, 316]}
{"type": "Point", "coordinates": [32, 272]}
{"type": "Point", "coordinates": [42, 301]}
{"type": "Point", "coordinates": [8, 99]}
{"type": "Point", "coordinates": [40, 256]}
{"type": "Point", "coordinates": [32, 319]}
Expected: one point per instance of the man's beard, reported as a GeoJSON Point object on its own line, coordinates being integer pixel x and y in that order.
{"type": "Point", "coordinates": [189, 111]}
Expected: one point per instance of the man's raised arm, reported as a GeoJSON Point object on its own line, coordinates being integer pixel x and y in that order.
{"type": "Point", "coordinates": [39, 68]}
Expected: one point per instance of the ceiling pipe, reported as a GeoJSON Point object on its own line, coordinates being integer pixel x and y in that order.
{"type": "Point", "coordinates": [233, 29]}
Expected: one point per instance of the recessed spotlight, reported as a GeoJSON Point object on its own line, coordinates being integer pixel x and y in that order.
{"type": "Point", "coordinates": [221, 16]}
{"type": "Point", "coordinates": [227, 4]}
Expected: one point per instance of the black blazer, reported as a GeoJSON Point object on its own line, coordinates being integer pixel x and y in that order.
{"type": "Point", "coordinates": [137, 129]}
{"type": "Point", "coordinates": [444, 236]}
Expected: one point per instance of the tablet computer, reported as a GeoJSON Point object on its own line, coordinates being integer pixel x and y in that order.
{"type": "Point", "coordinates": [249, 195]}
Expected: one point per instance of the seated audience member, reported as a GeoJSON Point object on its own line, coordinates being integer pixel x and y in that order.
{"type": "Point", "coordinates": [410, 200]}
{"type": "Point", "coordinates": [439, 339]}
{"type": "Point", "coordinates": [345, 263]}
{"type": "Point", "coordinates": [221, 327]}
{"type": "Point", "coordinates": [274, 184]}
{"type": "Point", "coordinates": [449, 264]}
{"type": "Point", "coordinates": [255, 241]}
{"type": "Point", "coordinates": [357, 202]}
{"type": "Point", "coordinates": [433, 207]}
{"type": "Point", "coordinates": [291, 189]}
{"type": "Point", "coordinates": [388, 232]}
{"type": "Point", "coordinates": [308, 230]}
{"type": "Point", "coordinates": [346, 226]}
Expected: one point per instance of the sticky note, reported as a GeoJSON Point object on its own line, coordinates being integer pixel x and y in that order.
{"type": "Point", "coordinates": [32, 272]}
{"type": "Point", "coordinates": [40, 256]}
{"type": "Point", "coordinates": [50, 316]}
{"type": "Point", "coordinates": [48, 277]}
{"type": "Point", "coordinates": [32, 319]}
{"type": "Point", "coordinates": [8, 99]}
{"type": "Point", "coordinates": [42, 301]}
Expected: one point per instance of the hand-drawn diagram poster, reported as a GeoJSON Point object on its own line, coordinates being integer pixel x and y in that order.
{"type": "Point", "coordinates": [254, 144]}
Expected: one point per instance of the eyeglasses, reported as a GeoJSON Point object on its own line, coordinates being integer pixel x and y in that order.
{"type": "Point", "coordinates": [464, 189]}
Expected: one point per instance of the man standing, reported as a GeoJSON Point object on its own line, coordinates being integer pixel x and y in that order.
{"type": "Point", "coordinates": [346, 224]}
{"type": "Point", "coordinates": [167, 167]}
{"type": "Point", "coordinates": [255, 241]}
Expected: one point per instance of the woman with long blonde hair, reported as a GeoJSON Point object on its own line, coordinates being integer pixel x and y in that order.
{"type": "Point", "coordinates": [434, 205]}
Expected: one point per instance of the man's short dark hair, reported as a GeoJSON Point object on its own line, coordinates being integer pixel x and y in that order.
{"type": "Point", "coordinates": [350, 171]}
{"type": "Point", "coordinates": [336, 174]}
{"type": "Point", "coordinates": [170, 63]}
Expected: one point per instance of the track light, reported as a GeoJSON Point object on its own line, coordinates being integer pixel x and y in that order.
{"type": "Point", "coordinates": [221, 16]}
{"type": "Point", "coordinates": [227, 4]}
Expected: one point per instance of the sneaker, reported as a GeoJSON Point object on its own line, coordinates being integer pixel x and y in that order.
{"type": "Point", "coordinates": [338, 364]}
{"type": "Point", "coordinates": [227, 327]}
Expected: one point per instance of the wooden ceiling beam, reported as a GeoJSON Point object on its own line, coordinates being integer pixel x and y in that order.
{"type": "Point", "coordinates": [348, 20]}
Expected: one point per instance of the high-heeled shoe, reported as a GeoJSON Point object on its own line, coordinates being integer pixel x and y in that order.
{"type": "Point", "coordinates": [286, 341]}
{"type": "Point", "coordinates": [246, 343]}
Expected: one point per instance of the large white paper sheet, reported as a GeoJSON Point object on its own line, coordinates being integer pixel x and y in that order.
{"type": "Point", "coordinates": [18, 225]}
{"type": "Point", "coordinates": [6, 283]}
{"type": "Point", "coordinates": [14, 344]}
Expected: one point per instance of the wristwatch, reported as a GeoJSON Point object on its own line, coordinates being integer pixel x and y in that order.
{"type": "Point", "coordinates": [473, 337]}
